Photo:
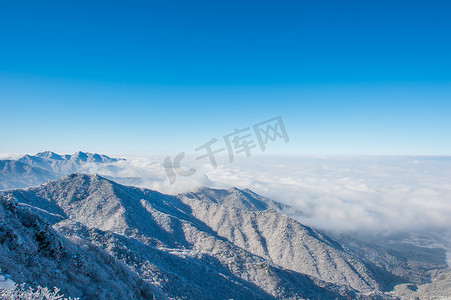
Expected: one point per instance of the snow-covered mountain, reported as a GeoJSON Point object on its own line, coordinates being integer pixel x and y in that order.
{"type": "Point", "coordinates": [278, 238]}
{"type": "Point", "coordinates": [208, 244]}
{"type": "Point", "coordinates": [32, 170]}
{"type": "Point", "coordinates": [159, 239]}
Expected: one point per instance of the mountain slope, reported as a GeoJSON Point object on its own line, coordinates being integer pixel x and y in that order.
{"type": "Point", "coordinates": [15, 174]}
{"type": "Point", "coordinates": [33, 252]}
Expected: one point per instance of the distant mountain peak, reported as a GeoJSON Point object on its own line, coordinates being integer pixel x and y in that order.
{"type": "Point", "coordinates": [49, 155]}
{"type": "Point", "coordinates": [81, 155]}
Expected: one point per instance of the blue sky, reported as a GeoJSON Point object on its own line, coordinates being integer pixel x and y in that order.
{"type": "Point", "coordinates": [348, 77]}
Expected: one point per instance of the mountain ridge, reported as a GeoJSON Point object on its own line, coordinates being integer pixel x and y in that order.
{"type": "Point", "coordinates": [33, 170]}
{"type": "Point", "coordinates": [211, 223]}
{"type": "Point", "coordinates": [212, 243]}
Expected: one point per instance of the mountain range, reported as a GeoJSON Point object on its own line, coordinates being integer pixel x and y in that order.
{"type": "Point", "coordinates": [32, 170]}
{"type": "Point", "coordinates": [97, 239]}
{"type": "Point", "coordinates": [206, 244]}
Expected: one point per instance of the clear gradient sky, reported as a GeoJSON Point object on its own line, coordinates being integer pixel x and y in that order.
{"type": "Point", "coordinates": [348, 77]}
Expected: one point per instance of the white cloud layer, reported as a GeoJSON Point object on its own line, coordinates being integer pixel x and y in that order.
{"type": "Point", "coordinates": [10, 155]}
{"type": "Point", "coordinates": [344, 194]}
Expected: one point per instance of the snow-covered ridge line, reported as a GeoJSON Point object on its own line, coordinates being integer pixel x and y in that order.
{"type": "Point", "coordinates": [33, 170]}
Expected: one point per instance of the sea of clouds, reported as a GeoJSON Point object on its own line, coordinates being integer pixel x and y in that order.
{"type": "Point", "coordinates": [339, 193]}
